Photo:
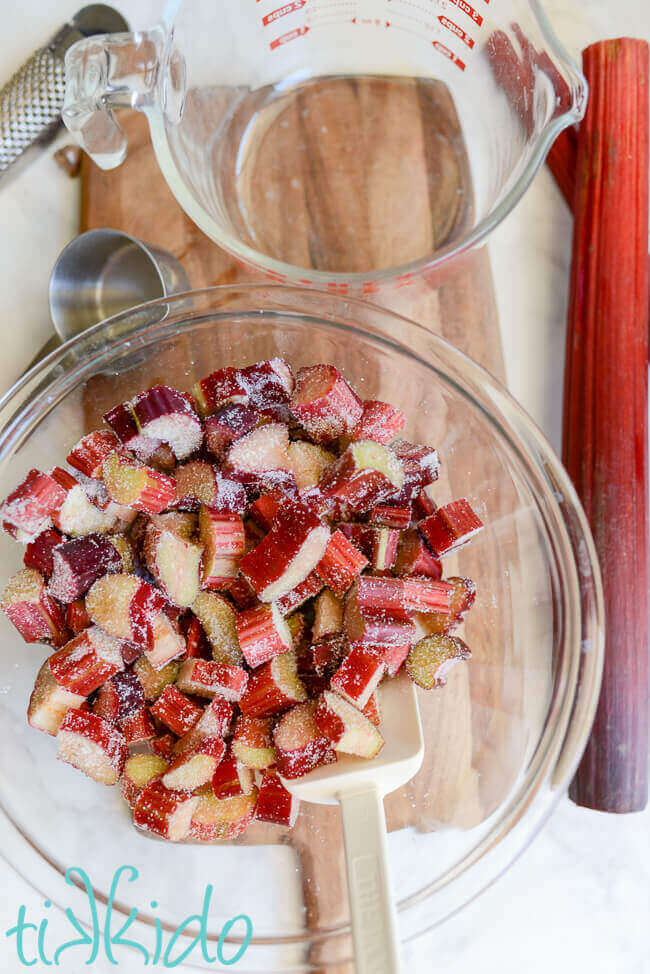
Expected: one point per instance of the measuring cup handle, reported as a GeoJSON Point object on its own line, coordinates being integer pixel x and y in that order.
{"type": "Point", "coordinates": [134, 70]}
{"type": "Point", "coordinates": [372, 905]}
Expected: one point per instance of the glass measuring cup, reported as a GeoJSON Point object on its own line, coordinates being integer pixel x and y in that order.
{"type": "Point", "coordinates": [335, 143]}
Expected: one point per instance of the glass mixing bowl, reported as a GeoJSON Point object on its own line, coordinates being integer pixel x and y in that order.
{"type": "Point", "coordinates": [503, 738]}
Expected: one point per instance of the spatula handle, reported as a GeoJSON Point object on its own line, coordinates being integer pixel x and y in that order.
{"type": "Point", "coordinates": [374, 917]}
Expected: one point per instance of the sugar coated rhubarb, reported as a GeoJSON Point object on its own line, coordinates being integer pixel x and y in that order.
{"type": "Point", "coordinates": [225, 579]}
{"type": "Point", "coordinates": [324, 404]}
{"type": "Point", "coordinates": [291, 550]}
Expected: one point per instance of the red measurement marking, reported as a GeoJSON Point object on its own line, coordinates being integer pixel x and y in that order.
{"type": "Point", "coordinates": [337, 288]}
{"type": "Point", "coordinates": [283, 11]}
{"type": "Point", "coordinates": [285, 38]}
{"type": "Point", "coordinates": [449, 54]}
{"type": "Point", "coordinates": [455, 29]}
{"type": "Point", "coordinates": [370, 287]}
{"type": "Point", "coordinates": [372, 21]}
{"type": "Point", "coordinates": [465, 7]}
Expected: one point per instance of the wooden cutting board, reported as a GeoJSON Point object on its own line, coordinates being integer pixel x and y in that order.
{"type": "Point", "coordinates": [136, 199]}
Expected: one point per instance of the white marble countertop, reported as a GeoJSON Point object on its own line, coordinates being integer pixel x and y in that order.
{"type": "Point", "coordinates": [579, 898]}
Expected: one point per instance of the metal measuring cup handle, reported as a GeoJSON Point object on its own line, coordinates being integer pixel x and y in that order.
{"type": "Point", "coordinates": [31, 102]}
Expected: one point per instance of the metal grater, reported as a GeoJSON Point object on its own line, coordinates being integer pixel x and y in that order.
{"type": "Point", "coordinates": [31, 102]}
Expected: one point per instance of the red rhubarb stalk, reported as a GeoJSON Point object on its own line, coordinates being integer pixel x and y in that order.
{"type": "Point", "coordinates": [606, 406]}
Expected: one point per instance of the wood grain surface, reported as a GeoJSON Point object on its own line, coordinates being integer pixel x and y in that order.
{"type": "Point", "coordinates": [136, 199]}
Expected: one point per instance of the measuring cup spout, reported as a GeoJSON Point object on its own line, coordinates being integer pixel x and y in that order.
{"type": "Point", "coordinates": [114, 71]}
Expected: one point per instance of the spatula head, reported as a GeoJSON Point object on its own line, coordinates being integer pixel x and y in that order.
{"type": "Point", "coordinates": [398, 761]}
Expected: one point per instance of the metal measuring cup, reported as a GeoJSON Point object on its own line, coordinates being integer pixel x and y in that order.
{"type": "Point", "coordinates": [101, 273]}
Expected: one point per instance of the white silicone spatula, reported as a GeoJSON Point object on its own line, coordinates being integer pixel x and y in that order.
{"type": "Point", "coordinates": [360, 786]}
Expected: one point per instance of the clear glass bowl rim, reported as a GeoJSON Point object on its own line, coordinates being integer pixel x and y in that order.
{"type": "Point", "coordinates": [283, 272]}
{"type": "Point", "coordinates": [573, 708]}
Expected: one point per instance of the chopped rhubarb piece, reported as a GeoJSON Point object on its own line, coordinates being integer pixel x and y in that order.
{"type": "Point", "coordinates": [167, 643]}
{"type": "Point", "coordinates": [289, 552]}
{"type": "Point", "coordinates": [182, 523]}
{"type": "Point", "coordinates": [365, 475]}
{"type": "Point", "coordinates": [219, 621]}
{"type": "Point", "coordinates": [307, 462]}
{"type": "Point", "coordinates": [38, 553]}
{"type": "Point", "coordinates": [92, 745]}
{"type": "Point", "coordinates": [462, 599]}
{"type": "Point", "coordinates": [30, 507]}
{"type": "Point", "coordinates": [163, 745]}
{"type": "Point", "coordinates": [299, 744]}
{"type": "Point", "coordinates": [273, 687]}
{"type": "Point", "coordinates": [215, 721]}
{"type": "Point", "coordinates": [195, 767]}
{"type": "Point", "coordinates": [125, 606]}
{"type": "Point", "coordinates": [424, 504]}
{"type": "Point", "coordinates": [87, 661]}
{"type": "Point", "coordinates": [227, 425]}
{"type": "Point", "coordinates": [34, 613]}
{"type": "Point", "coordinates": [324, 404]}
{"type": "Point", "coordinates": [415, 558]}
{"type": "Point", "coordinates": [124, 549]}
{"type": "Point", "coordinates": [393, 656]}
{"type": "Point", "coordinates": [270, 384]}
{"type": "Point", "coordinates": [50, 702]}
{"type": "Point", "coordinates": [232, 779]}
{"type": "Point", "coordinates": [382, 619]}
{"type": "Point", "coordinates": [341, 564]}
{"type": "Point", "coordinates": [219, 819]}
{"type": "Point", "coordinates": [304, 591]}
{"type": "Point", "coordinates": [253, 742]}
{"type": "Point", "coordinates": [196, 641]}
{"type": "Point", "coordinates": [372, 711]}
{"type": "Point", "coordinates": [263, 634]}
{"type": "Point", "coordinates": [224, 541]}
{"type": "Point", "coordinates": [122, 421]}
{"type": "Point", "coordinates": [298, 628]}
{"type": "Point", "coordinates": [176, 711]}
{"type": "Point", "coordinates": [328, 616]}
{"type": "Point", "coordinates": [275, 804]}
{"type": "Point", "coordinates": [327, 653]}
{"type": "Point", "coordinates": [207, 678]}
{"type": "Point", "coordinates": [219, 388]}
{"type": "Point", "coordinates": [426, 594]}
{"type": "Point", "coordinates": [138, 727]}
{"type": "Point", "coordinates": [119, 697]}
{"type": "Point", "coordinates": [136, 486]}
{"type": "Point", "coordinates": [198, 482]}
{"type": "Point", "coordinates": [430, 660]}
{"type": "Point", "coordinates": [450, 527]}
{"type": "Point", "coordinates": [264, 510]}
{"type": "Point", "coordinates": [379, 421]}
{"type": "Point", "coordinates": [260, 458]}
{"type": "Point", "coordinates": [79, 515]}
{"type": "Point", "coordinates": [384, 548]}
{"type": "Point", "coordinates": [358, 676]}
{"type": "Point", "coordinates": [76, 616]}
{"type": "Point", "coordinates": [154, 681]}
{"type": "Point", "coordinates": [396, 516]}
{"type": "Point", "coordinates": [420, 464]}
{"type": "Point", "coordinates": [78, 563]}
{"type": "Point", "coordinates": [346, 727]}
{"type": "Point", "coordinates": [381, 597]}
{"type": "Point", "coordinates": [241, 593]}
{"type": "Point", "coordinates": [141, 770]}
{"type": "Point", "coordinates": [89, 453]}
{"type": "Point", "coordinates": [174, 563]}
{"type": "Point", "coordinates": [397, 597]}
{"type": "Point", "coordinates": [163, 413]}
{"type": "Point", "coordinates": [163, 812]}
